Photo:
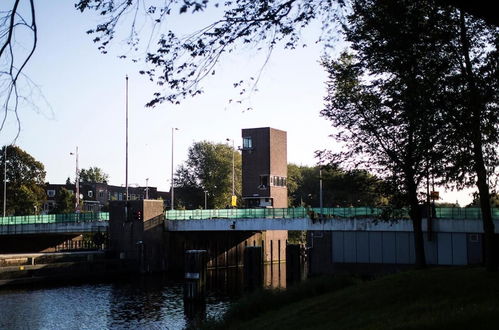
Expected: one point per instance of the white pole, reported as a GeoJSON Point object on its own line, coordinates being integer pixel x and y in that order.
{"type": "Point", "coordinates": [4, 179]}
{"type": "Point", "coordinates": [172, 192]}
{"type": "Point", "coordinates": [147, 188]}
{"type": "Point", "coordinates": [77, 183]}
{"type": "Point", "coordinates": [320, 191]}
{"type": "Point", "coordinates": [233, 170]}
{"type": "Point", "coordinates": [126, 139]}
{"type": "Point", "coordinates": [205, 199]}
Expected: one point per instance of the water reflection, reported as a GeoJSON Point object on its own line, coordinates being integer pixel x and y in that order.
{"type": "Point", "coordinates": [145, 302]}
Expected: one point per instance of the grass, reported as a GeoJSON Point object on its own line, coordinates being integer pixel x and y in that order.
{"type": "Point", "coordinates": [441, 298]}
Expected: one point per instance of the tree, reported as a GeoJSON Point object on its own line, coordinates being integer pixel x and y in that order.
{"type": "Point", "coordinates": [93, 174]}
{"type": "Point", "coordinates": [25, 181]}
{"type": "Point", "coordinates": [385, 97]}
{"type": "Point", "coordinates": [208, 169]}
{"type": "Point", "coordinates": [183, 59]}
{"type": "Point", "coordinates": [340, 188]}
{"type": "Point", "coordinates": [64, 202]}
{"type": "Point", "coordinates": [15, 56]}
{"type": "Point", "coordinates": [472, 92]}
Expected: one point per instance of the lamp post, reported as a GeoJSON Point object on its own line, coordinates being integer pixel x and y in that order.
{"type": "Point", "coordinates": [126, 138]}
{"type": "Point", "coordinates": [77, 181]}
{"type": "Point", "coordinates": [320, 191]}
{"type": "Point", "coordinates": [233, 172]}
{"type": "Point", "coordinates": [172, 192]}
{"type": "Point", "coordinates": [4, 179]}
{"type": "Point", "coordinates": [206, 199]}
{"type": "Point", "coordinates": [147, 188]}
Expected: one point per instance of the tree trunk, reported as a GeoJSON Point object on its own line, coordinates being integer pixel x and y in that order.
{"type": "Point", "coordinates": [475, 111]}
{"type": "Point", "coordinates": [415, 214]}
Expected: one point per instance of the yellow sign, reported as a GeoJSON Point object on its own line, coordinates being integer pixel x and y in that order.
{"type": "Point", "coordinates": [434, 195]}
{"type": "Point", "coordinates": [233, 201]}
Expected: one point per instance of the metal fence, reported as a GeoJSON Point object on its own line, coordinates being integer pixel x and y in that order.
{"type": "Point", "coordinates": [456, 213]}
{"type": "Point", "coordinates": [335, 212]}
{"type": "Point", "coordinates": [54, 218]}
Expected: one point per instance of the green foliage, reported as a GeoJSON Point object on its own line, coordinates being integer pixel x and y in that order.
{"type": "Point", "coordinates": [340, 188]}
{"type": "Point", "coordinates": [208, 168]}
{"type": "Point", "coordinates": [93, 174]}
{"type": "Point", "coordinates": [494, 200]}
{"type": "Point", "coordinates": [65, 202]}
{"type": "Point", "coordinates": [25, 181]}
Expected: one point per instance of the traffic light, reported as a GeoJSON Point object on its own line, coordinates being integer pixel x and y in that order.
{"type": "Point", "coordinates": [137, 215]}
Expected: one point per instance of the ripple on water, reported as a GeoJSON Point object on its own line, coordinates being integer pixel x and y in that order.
{"type": "Point", "coordinates": [136, 305]}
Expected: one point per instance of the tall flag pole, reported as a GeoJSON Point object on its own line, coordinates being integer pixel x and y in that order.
{"type": "Point", "coordinates": [126, 142]}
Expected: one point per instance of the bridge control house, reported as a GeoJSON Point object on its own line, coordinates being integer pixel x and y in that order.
{"type": "Point", "coordinates": [265, 168]}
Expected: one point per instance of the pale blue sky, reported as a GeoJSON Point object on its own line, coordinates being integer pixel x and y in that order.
{"type": "Point", "coordinates": [85, 94]}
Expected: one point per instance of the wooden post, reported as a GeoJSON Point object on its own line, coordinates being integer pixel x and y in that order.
{"type": "Point", "coordinates": [195, 274]}
{"type": "Point", "coordinates": [295, 264]}
{"type": "Point", "coordinates": [253, 267]}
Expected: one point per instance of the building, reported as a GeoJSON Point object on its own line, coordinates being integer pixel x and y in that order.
{"type": "Point", "coordinates": [96, 196]}
{"type": "Point", "coordinates": [264, 167]}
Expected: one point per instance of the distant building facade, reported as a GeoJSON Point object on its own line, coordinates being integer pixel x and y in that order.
{"type": "Point", "coordinates": [264, 167]}
{"type": "Point", "coordinates": [97, 195]}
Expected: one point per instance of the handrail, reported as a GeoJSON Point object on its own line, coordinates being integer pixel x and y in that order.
{"type": "Point", "coordinates": [54, 218]}
{"type": "Point", "coordinates": [457, 213]}
{"type": "Point", "coordinates": [334, 212]}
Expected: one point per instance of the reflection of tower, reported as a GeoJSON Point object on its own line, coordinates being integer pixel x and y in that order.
{"type": "Point", "coordinates": [265, 167]}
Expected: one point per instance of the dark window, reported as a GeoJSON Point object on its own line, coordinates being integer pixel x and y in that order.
{"type": "Point", "coordinates": [264, 181]}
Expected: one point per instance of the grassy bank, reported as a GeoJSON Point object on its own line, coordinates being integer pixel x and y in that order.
{"type": "Point", "coordinates": [443, 298]}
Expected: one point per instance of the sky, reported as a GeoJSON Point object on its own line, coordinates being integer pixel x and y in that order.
{"type": "Point", "coordinates": [82, 104]}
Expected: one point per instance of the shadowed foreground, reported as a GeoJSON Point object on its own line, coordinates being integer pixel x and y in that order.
{"type": "Point", "coordinates": [443, 298]}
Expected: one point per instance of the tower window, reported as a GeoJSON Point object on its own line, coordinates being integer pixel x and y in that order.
{"type": "Point", "coordinates": [247, 142]}
{"type": "Point", "coordinates": [264, 181]}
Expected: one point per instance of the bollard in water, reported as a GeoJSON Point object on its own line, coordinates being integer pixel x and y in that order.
{"type": "Point", "coordinates": [195, 274]}
{"type": "Point", "coordinates": [253, 267]}
{"type": "Point", "coordinates": [295, 264]}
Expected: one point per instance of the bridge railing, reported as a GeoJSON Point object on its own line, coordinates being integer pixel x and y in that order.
{"type": "Point", "coordinates": [288, 213]}
{"type": "Point", "coordinates": [334, 212]}
{"type": "Point", "coordinates": [54, 218]}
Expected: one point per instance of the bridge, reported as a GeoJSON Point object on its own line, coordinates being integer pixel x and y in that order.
{"type": "Point", "coordinates": [337, 236]}
{"type": "Point", "coordinates": [73, 223]}
{"type": "Point", "coordinates": [244, 219]}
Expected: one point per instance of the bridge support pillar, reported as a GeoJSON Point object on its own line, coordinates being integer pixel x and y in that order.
{"type": "Point", "coordinates": [136, 233]}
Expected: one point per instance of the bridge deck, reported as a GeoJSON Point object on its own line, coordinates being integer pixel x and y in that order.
{"type": "Point", "coordinates": [287, 218]}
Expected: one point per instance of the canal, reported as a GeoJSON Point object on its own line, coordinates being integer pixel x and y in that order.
{"type": "Point", "coordinates": [142, 302]}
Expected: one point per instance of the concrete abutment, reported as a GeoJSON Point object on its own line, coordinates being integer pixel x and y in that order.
{"type": "Point", "coordinates": [137, 234]}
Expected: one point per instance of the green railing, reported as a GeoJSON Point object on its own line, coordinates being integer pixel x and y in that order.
{"type": "Point", "coordinates": [335, 212]}
{"type": "Point", "coordinates": [54, 218]}
{"type": "Point", "coordinates": [270, 213]}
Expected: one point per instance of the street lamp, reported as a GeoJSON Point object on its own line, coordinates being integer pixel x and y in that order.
{"type": "Point", "coordinates": [233, 173]}
{"type": "Point", "coordinates": [126, 138]}
{"type": "Point", "coordinates": [4, 179]}
{"type": "Point", "coordinates": [172, 193]}
{"type": "Point", "coordinates": [206, 199]}
{"type": "Point", "coordinates": [147, 188]}
{"type": "Point", "coordinates": [320, 191]}
{"type": "Point", "coordinates": [77, 181]}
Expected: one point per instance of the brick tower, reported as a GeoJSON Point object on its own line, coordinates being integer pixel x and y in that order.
{"type": "Point", "coordinates": [265, 167]}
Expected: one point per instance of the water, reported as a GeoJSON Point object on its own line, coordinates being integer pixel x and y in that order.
{"type": "Point", "coordinates": [145, 303]}
{"type": "Point", "coordinates": [142, 303]}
